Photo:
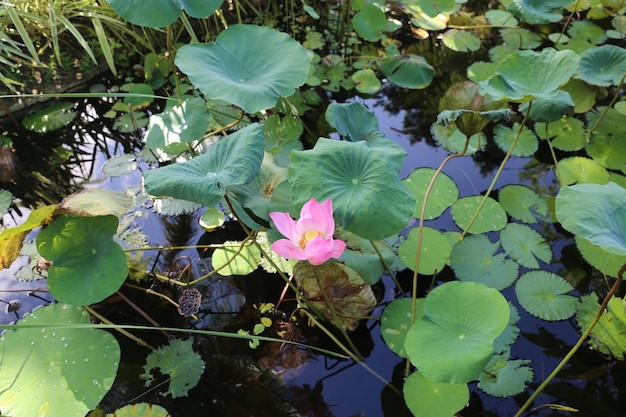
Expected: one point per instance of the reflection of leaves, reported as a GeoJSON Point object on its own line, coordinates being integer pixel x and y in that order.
{"type": "Point", "coordinates": [349, 296]}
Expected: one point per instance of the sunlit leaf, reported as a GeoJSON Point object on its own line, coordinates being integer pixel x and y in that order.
{"type": "Point", "coordinates": [524, 245]}
{"type": "Point", "coordinates": [453, 341]}
{"type": "Point", "coordinates": [120, 164]}
{"type": "Point", "coordinates": [96, 202]}
{"type": "Point", "coordinates": [236, 259]}
{"type": "Point", "coordinates": [544, 294]}
{"type": "Point", "coordinates": [140, 410]}
{"type": "Point", "coordinates": [80, 363]}
{"type": "Point", "coordinates": [578, 169]}
{"type": "Point", "coordinates": [567, 134]}
{"type": "Point", "coordinates": [442, 195]}
{"type": "Point", "coordinates": [491, 216]}
{"type": "Point", "coordinates": [247, 65]}
{"type": "Point", "coordinates": [177, 360]}
{"type": "Point", "coordinates": [88, 265]}
{"type": "Point", "coordinates": [434, 252]}
{"type": "Point", "coordinates": [538, 12]}
{"type": "Point", "coordinates": [475, 259]}
{"type": "Point", "coordinates": [426, 398]}
{"type": "Point", "coordinates": [396, 322]}
{"type": "Point", "coordinates": [53, 117]}
{"type": "Point", "coordinates": [11, 239]}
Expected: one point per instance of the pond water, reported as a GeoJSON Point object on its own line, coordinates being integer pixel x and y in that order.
{"type": "Point", "coordinates": [325, 386]}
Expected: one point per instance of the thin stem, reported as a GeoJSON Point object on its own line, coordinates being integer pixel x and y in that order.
{"type": "Point", "coordinates": [606, 109]}
{"type": "Point", "coordinates": [387, 267]}
{"type": "Point", "coordinates": [581, 340]}
{"type": "Point", "coordinates": [119, 329]}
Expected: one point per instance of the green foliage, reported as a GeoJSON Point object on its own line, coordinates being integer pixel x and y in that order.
{"type": "Point", "coordinates": [51, 118]}
{"type": "Point", "coordinates": [426, 398]}
{"type": "Point", "coordinates": [140, 410]}
{"type": "Point", "coordinates": [443, 193]}
{"type": "Point", "coordinates": [544, 295]}
{"type": "Point", "coordinates": [160, 13]}
{"type": "Point", "coordinates": [57, 371]}
{"type": "Point", "coordinates": [396, 322]}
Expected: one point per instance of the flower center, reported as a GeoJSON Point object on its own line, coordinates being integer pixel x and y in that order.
{"type": "Point", "coordinates": [307, 237]}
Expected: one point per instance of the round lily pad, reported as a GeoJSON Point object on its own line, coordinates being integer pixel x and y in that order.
{"type": "Point", "coordinates": [211, 219]}
{"type": "Point", "coordinates": [566, 134]}
{"type": "Point", "coordinates": [544, 294]}
{"type": "Point", "coordinates": [396, 322]}
{"type": "Point", "coordinates": [603, 65]}
{"type": "Point", "coordinates": [524, 245]}
{"type": "Point", "coordinates": [443, 194]}
{"type": "Point", "coordinates": [56, 371]}
{"type": "Point", "coordinates": [426, 398]}
{"type": "Point", "coordinates": [235, 259]}
{"type": "Point", "coordinates": [520, 201]}
{"type": "Point", "coordinates": [53, 117]}
{"type": "Point", "coordinates": [140, 410]}
{"type": "Point", "coordinates": [436, 248]}
{"type": "Point", "coordinates": [504, 377]}
{"type": "Point", "coordinates": [527, 142]}
{"type": "Point", "coordinates": [491, 217]}
{"type": "Point", "coordinates": [578, 169]}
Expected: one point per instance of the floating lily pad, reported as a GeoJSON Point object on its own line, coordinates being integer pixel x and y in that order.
{"type": "Point", "coordinates": [396, 322]}
{"type": "Point", "coordinates": [604, 144]}
{"type": "Point", "coordinates": [522, 203]}
{"type": "Point", "coordinates": [578, 169]}
{"type": "Point", "coordinates": [178, 360]}
{"type": "Point", "coordinates": [524, 245]}
{"type": "Point", "coordinates": [350, 298]}
{"type": "Point", "coordinates": [527, 75]}
{"type": "Point", "coordinates": [461, 40]}
{"type": "Point", "coordinates": [453, 140]}
{"type": "Point", "coordinates": [140, 410]}
{"type": "Point", "coordinates": [234, 160]}
{"type": "Point", "coordinates": [88, 265]}
{"type": "Point", "coordinates": [53, 117]}
{"type": "Point", "coordinates": [11, 240]}
{"type": "Point", "coordinates": [549, 109]}
{"type": "Point", "coordinates": [426, 398]}
{"type": "Point", "coordinates": [527, 142]}
{"type": "Point", "coordinates": [539, 12]}
{"type": "Point", "coordinates": [442, 195]}
{"type": "Point", "coordinates": [160, 13]}
{"type": "Point", "coordinates": [369, 22]}
{"type": "Point", "coordinates": [609, 334]}
{"type": "Point", "coordinates": [544, 295]}
{"type": "Point", "coordinates": [57, 372]}
{"type": "Point", "coordinates": [435, 251]}
{"type": "Point", "coordinates": [491, 217]}
{"type": "Point", "coordinates": [596, 213]}
{"type": "Point", "coordinates": [504, 377]}
{"type": "Point", "coordinates": [520, 38]}
{"type": "Point", "coordinates": [120, 164]}
{"type": "Point", "coordinates": [235, 259]}
{"type": "Point", "coordinates": [510, 333]}
{"type": "Point", "coordinates": [566, 134]}
{"type": "Point", "coordinates": [605, 262]}
{"type": "Point", "coordinates": [247, 65]}
{"type": "Point", "coordinates": [361, 178]}
{"type": "Point", "coordinates": [408, 71]}
{"type": "Point", "coordinates": [475, 259]}
{"type": "Point", "coordinates": [211, 219]}
{"type": "Point", "coordinates": [603, 65]}
{"type": "Point", "coordinates": [96, 202]}
{"type": "Point", "coordinates": [453, 341]}
{"type": "Point", "coordinates": [352, 120]}
{"type": "Point", "coordinates": [366, 81]}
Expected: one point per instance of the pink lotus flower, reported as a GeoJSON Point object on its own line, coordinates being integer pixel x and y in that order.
{"type": "Point", "coordinates": [311, 237]}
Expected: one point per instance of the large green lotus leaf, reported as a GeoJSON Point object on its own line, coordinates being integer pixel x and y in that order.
{"type": "Point", "coordinates": [491, 217]}
{"type": "Point", "coordinates": [53, 117]}
{"type": "Point", "coordinates": [539, 12]}
{"type": "Point", "coordinates": [160, 13]}
{"type": "Point", "coordinates": [408, 71]}
{"type": "Point", "coordinates": [475, 259]}
{"type": "Point", "coordinates": [578, 169]}
{"type": "Point", "coordinates": [544, 294]}
{"type": "Point", "coordinates": [436, 248]}
{"type": "Point", "coordinates": [236, 258]}
{"type": "Point", "coordinates": [520, 202]}
{"type": "Point", "coordinates": [549, 109]}
{"type": "Point", "coordinates": [504, 377]}
{"type": "Point", "coordinates": [353, 120]}
{"type": "Point", "coordinates": [453, 341]}
{"type": "Point", "coordinates": [234, 160]}
{"type": "Point", "coordinates": [596, 213]}
{"type": "Point", "coordinates": [369, 22]}
{"type": "Point", "coordinates": [56, 372]}
{"type": "Point", "coordinates": [527, 142]}
{"type": "Point", "coordinates": [88, 265]}
{"type": "Point", "coordinates": [361, 178]}
{"type": "Point", "coordinates": [247, 65]}
{"type": "Point", "coordinates": [527, 75]}
{"type": "Point", "coordinates": [349, 297]}
{"type": "Point", "coordinates": [426, 398]}
{"type": "Point", "coordinates": [395, 322]}
{"type": "Point", "coordinates": [442, 195]}
{"type": "Point", "coordinates": [181, 123]}
{"type": "Point", "coordinates": [524, 245]}
{"type": "Point", "coordinates": [609, 334]}
{"type": "Point", "coordinates": [566, 134]}
{"type": "Point", "coordinates": [605, 262]}
{"type": "Point", "coordinates": [178, 360]}
{"type": "Point", "coordinates": [603, 65]}
{"type": "Point", "coordinates": [140, 410]}
{"type": "Point", "coordinates": [361, 255]}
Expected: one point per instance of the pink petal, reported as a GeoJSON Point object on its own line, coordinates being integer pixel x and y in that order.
{"type": "Point", "coordinates": [285, 225]}
{"type": "Point", "coordinates": [319, 250]}
{"type": "Point", "coordinates": [318, 217]}
{"type": "Point", "coordinates": [288, 250]}
{"type": "Point", "coordinates": [338, 247]}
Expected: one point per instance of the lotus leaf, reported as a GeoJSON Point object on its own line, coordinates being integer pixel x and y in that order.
{"type": "Point", "coordinates": [491, 217]}
{"type": "Point", "coordinates": [578, 169]}
{"type": "Point", "coordinates": [583, 95]}
{"type": "Point", "coordinates": [53, 117]}
{"type": "Point", "coordinates": [549, 109]}
{"type": "Point", "coordinates": [426, 398]}
{"type": "Point", "coordinates": [211, 219]}
{"type": "Point", "coordinates": [178, 360]}
{"type": "Point", "coordinates": [56, 371]}
{"type": "Point", "coordinates": [408, 71]}
{"type": "Point", "coordinates": [362, 255]}
{"type": "Point", "coordinates": [369, 22]}
{"type": "Point", "coordinates": [596, 213]}
{"type": "Point", "coordinates": [524, 245]}
{"type": "Point", "coordinates": [140, 410]}
{"type": "Point", "coordinates": [500, 17]}
{"type": "Point", "coordinates": [349, 297]}
{"type": "Point", "coordinates": [527, 75]}
{"type": "Point", "coordinates": [461, 40]}
{"type": "Point", "coordinates": [435, 250]}
{"type": "Point", "coordinates": [366, 81]}
{"type": "Point", "coordinates": [160, 13]}
{"type": "Point", "coordinates": [353, 120]}
{"type": "Point", "coordinates": [88, 265]}
{"type": "Point", "coordinates": [396, 322]}
{"type": "Point", "coordinates": [453, 140]}
{"type": "Point", "coordinates": [504, 377]}
{"type": "Point", "coordinates": [544, 294]}
{"type": "Point", "coordinates": [539, 12]}
{"type": "Point", "coordinates": [520, 38]}
{"type": "Point", "coordinates": [361, 178]}
{"type": "Point", "coordinates": [510, 333]}
{"type": "Point", "coordinates": [120, 164]}
{"type": "Point", "coordinates": [605, 262]}
{"type": "Point", "coordinates": [567, 134]}
{"type": "Point", "coordinates": [95, 202]}
{"type": "Point", "coordinates": [234, 160]}
{"type": "Point", "coordinates": [603, 65]}
{"type": "Point", "coordinates": [527, 142]}
{"type": "Point", "coordinates": [236, 258]}
{"type": "Point", "coordinates": [453, 341]}
{"type": "Point", "coordinates": [609, 334]}
{"type": "Point", "coordinates": [247, 65]}
{"type": "Point", "coordinates": [443, 194]}
{"type": "Point", "coordinates": [520, 201]}
{"type": "Point", "coordinates": [475, 259]}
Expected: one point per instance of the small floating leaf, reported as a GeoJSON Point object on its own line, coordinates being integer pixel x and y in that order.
{"type": "Point", "coordinates": [53, 117]}
{"type": "Point", "coordinates": [396, 322]}
{"type": "Point", "coordinates": [491, 217]}
{"type": "Point", "coordinates": [140, 410]}
{"type": "Point", "coordinates": [426, 398]}
{"type": "Point", "coordinates": [442, 195]}
{"type": "Point", "coordinates": [566, 134]}
{"type": "Point", "coordinates": [524, 245]}
{"type": "Point", "coordinates": [211, 219]}
{"type": "Point", "coordinates": [519, 201]}
{"type": "Point", "coordinates": [504, 377]}
{"type": "Point", "coordinates": [408, 71]}
{"type": "Point", "coordinates": [578, 169]}
{"type": "Point", "coordinates": [461, 40]}
{"type": "Point", "coordinates": [544, 294]}
{"type": "Point", "coordinates": [526, 145]}
{"type": "Point", "coordinates": [603, 65]}
{"type": "Point", "coordinates": [235, 259]}
{"type": "Point", "coordinates": [435, 251]}
{"type": "Point", "coordinates": [120, 164]}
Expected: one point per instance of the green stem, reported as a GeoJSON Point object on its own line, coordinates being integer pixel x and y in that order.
{"type": "Point", "coordinates": [581, 340]}
{"type": "Point", "coordinates": [387, 267]}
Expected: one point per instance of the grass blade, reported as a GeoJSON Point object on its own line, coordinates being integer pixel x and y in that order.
{"type": "Point", "coordinates": [105, 46]}
{"type": "Point", "coordinates": [17, 22]}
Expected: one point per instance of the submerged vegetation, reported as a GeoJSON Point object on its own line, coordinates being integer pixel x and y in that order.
{"type": "Point", "coordinates": [246, 114]}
